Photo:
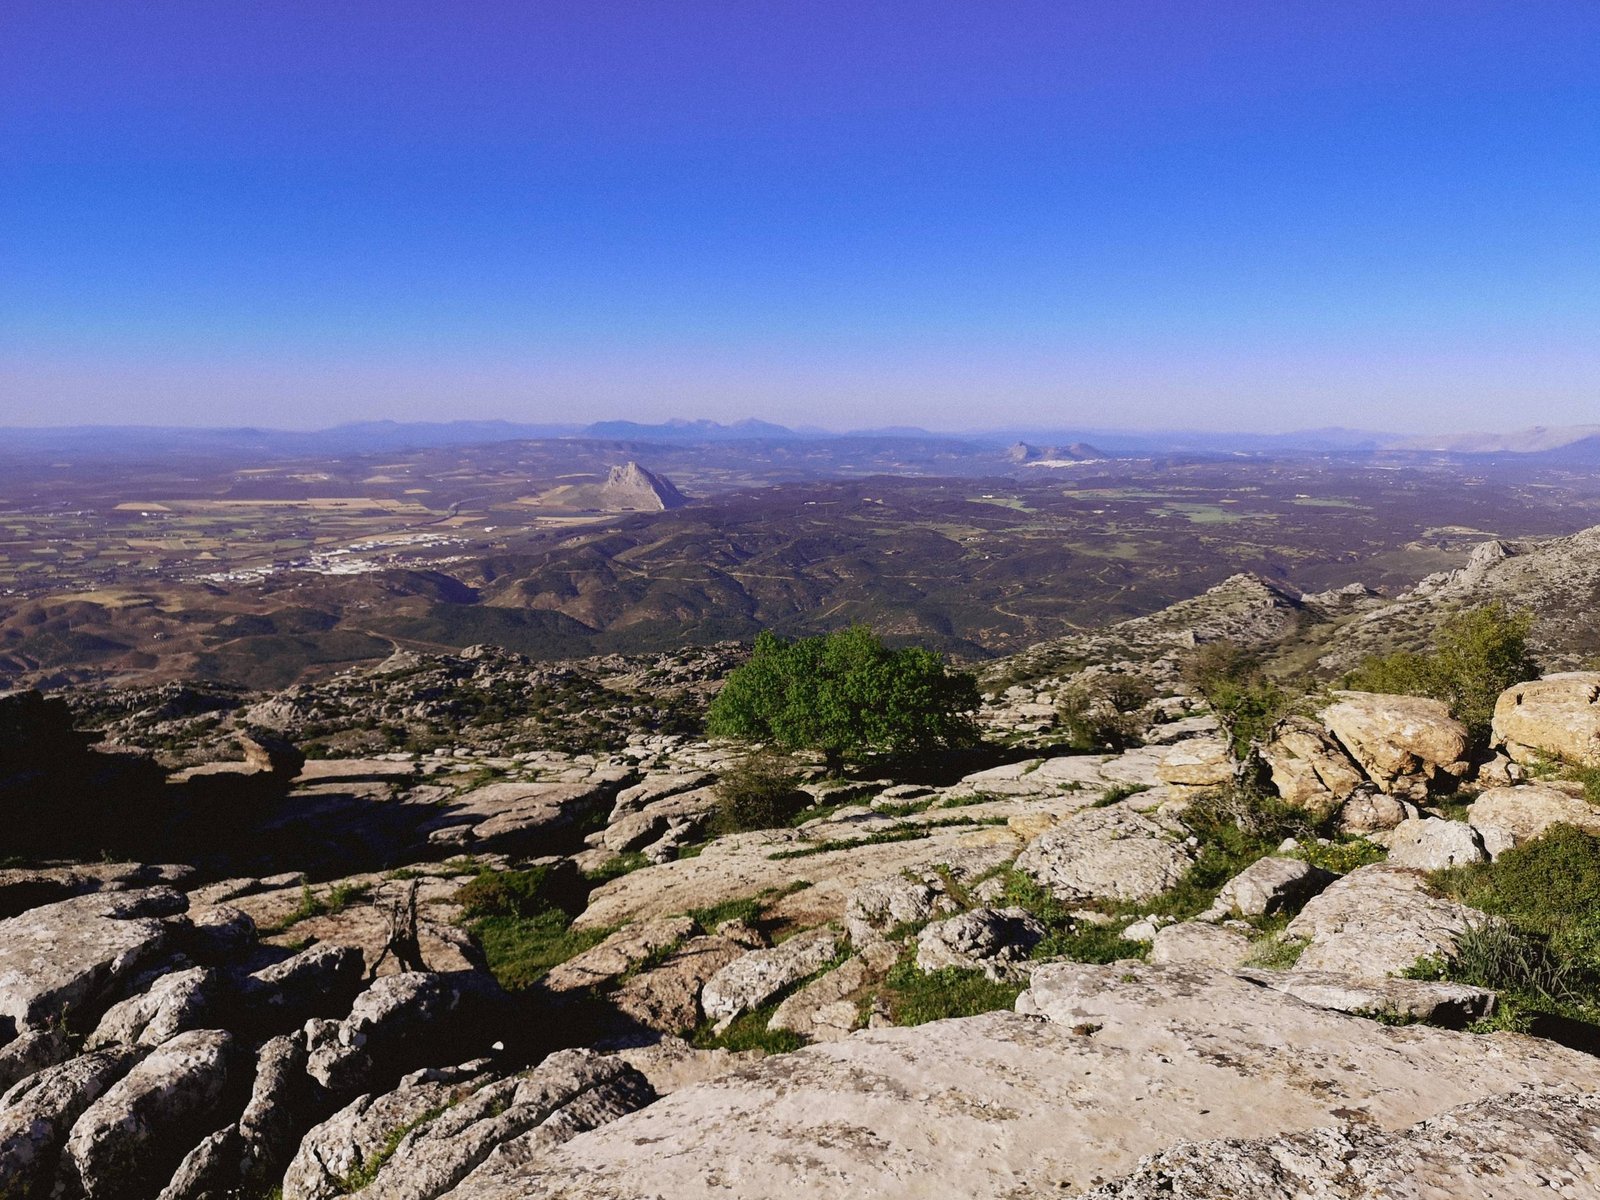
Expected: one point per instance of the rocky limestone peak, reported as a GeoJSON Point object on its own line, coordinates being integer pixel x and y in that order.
{"type": "Point", "coordinates": [630, 486]}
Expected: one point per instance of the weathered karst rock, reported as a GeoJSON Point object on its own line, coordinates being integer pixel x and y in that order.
{"type": "Point", "coordinates": [1378, 921]}
{"type": "Point", "coordinates": [1405, 744]}
{"type": "Point", "coordinates": [1557, 717]}
{"type": "Point", "coordinates": [1110, 853]}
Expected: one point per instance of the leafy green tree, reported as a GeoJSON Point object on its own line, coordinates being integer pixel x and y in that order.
{"type": "Point", "coordinates": [1477, 654]}
{"type": "Point", "coordinates": [845, 694]}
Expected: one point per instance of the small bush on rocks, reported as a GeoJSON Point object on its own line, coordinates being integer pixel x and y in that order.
{"type": "Point", "coordinates": [523, 924]}
{"type": "Point", "coordinates": [1105, 714]}
{"type": "Point", "coordinates": [759, 792]}
{"type": "Point", "coordinates": [1245, 701]}
{"type": "Point", "coordinates": [1541, 948]}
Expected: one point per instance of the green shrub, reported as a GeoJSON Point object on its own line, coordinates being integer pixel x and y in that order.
{"type": "Point", "coordinates": [493, 893]}
{"type": "Point", "coordinates": [749, 1031]}
{"type": "Point", "coordinates": [1106, 713]}
{"type": "Point", "coordinates": [1067, 936]}
{"type": "Point", "coordinates": [1541, 948]}
{"type": "Point", "coordinates": [1477, 654]}
{"type": "Point", "coordinates": [1244, 700]}
{"type": "Point", "coordinates": [1546, 885]}
{"type": "Point", "coordinates": [845, 694]}
{"type": "Point", "coordinates": [1234, 826]}
{"type": "Point", "coordinates": [1498, 955]}
{"type": "Point", "coordinates": [759, 792]}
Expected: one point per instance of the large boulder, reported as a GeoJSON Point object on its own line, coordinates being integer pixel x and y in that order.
{"type": "Point", "coordinates": [1369, 811]}
{"type": "Point", "coordinates": [1508, 816]}
{"type": "Point", "coordinates": [133, 1136]}
{"type": "Point", "coordinates": [1197, 762]}
{"type": "Point", "coordinates": [1199, 944]}
{"type": "Point", "coordinates": [1405, 744]}
{"type": "Point", "coordinates": [209, 1170]}
{"type": "Point", "coordinates": [345, 1151]}
{"type": "Point", "coordinates": [23, 888]}
{"type": "Point", "coordinates": [79, 955]}
{"type": "Point", "coordinates": [175, 1003]}
{"type": "Point", "coordinates": [31, 1053]}
{"type": "Point", "coordinates": [877, 907]}
{"type": "Point", "coordinates": [754, 978]}
{"type": "Point", "coordinates": [516, 818]}
{"type": "Point", "coordinates": [280, 1105]}
{"type": "Point", "coordinates": [396, 1024]}
{"type": "Point", "coordinates": [1452, 1004]}
{"type": "Point", "coordinates": [745, 864]}
{"type": "Point", "coordinates": [1270, 885]}
{"type": "Point", "coordinates": [1105, 1065]}
{"type": "Point", "coordinates": [666, 998]}
{"type": "Point", "coordinates": [636, 829]}
{"type": "Point", "coordinates": [1309, 768]}
{"type": "Point", "coordinates": [1112, 853]}
{"type": "Point", "coordinates": [1378, 921]}
{"type": "Point", "coordinates": [1557, 717]}
{"type": "Point", "coordinates": [1432, 844]}
{"type": "Point", "coordinates": [658, 786]}
{"type": "Point", "coordinates": [993, 940]}
{"type": "Point", "coordinates": [317, 980]}
{"type": "Point", "coordinates": [825, 1009]}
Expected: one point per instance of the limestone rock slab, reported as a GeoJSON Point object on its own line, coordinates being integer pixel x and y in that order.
{"type": "Point", "coordinates": [1557, 717]}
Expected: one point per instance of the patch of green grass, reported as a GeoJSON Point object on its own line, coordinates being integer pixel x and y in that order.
{"type": "Point", "coordinates": [1234, 828]}
{"type": "Point", "coordinates": [1588, 776]}
{"type": "Point", "coordinates": [311, 905]}
{"type": "Point", "coordinates": [520, 951]}
{"type": "Point", "coordinates": [967, 801]}
{"type": "Point", "coordinates": [1277, 953]}
{"type": "Point", "coordinates": [1119, 792]}
{"type": "Point", "coordinates": [616, 867]}
{"type": "Point", "coordinates": [915, 998]}
{"type": "Point", "coordinates": [748, 909]}
{"type": "Point", "coordinates": [749, 1031]}
{"type": "Point", "coordinates": [1067, 936]}
{"type": "Point", "coordinates": [342, 895]}
{"type": "Point", "coordinates": [1341, 857]}
{"type": "Point", "coordinates": [523, 927]}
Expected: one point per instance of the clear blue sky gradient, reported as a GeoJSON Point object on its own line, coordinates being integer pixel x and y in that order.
{"type": "Point", "coordinates": [1224, 214]}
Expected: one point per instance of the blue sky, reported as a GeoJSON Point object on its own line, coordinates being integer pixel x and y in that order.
{"type": "Point", "coordinates": [1236, 215]}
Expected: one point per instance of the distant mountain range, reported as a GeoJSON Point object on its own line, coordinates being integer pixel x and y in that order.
{"type": "Point", "coordinates": [1541, 439]}
{"type": "Point", "coordinates": [691, 431]}
{"type": "Point", "coordinates": [1563, 445]}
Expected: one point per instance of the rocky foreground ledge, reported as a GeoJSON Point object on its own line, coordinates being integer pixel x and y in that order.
{"type": "Point", "coordinates": [174, 1032]}
{"type": "Point", "coordinates": [1099, 1067]}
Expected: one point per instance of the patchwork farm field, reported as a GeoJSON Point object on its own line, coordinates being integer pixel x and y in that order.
{"type": "Point", "coordinates": [262, 574]}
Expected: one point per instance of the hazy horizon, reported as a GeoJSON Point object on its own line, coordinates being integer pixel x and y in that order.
{"type": "Point", "coordinates": [1149, 216]}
